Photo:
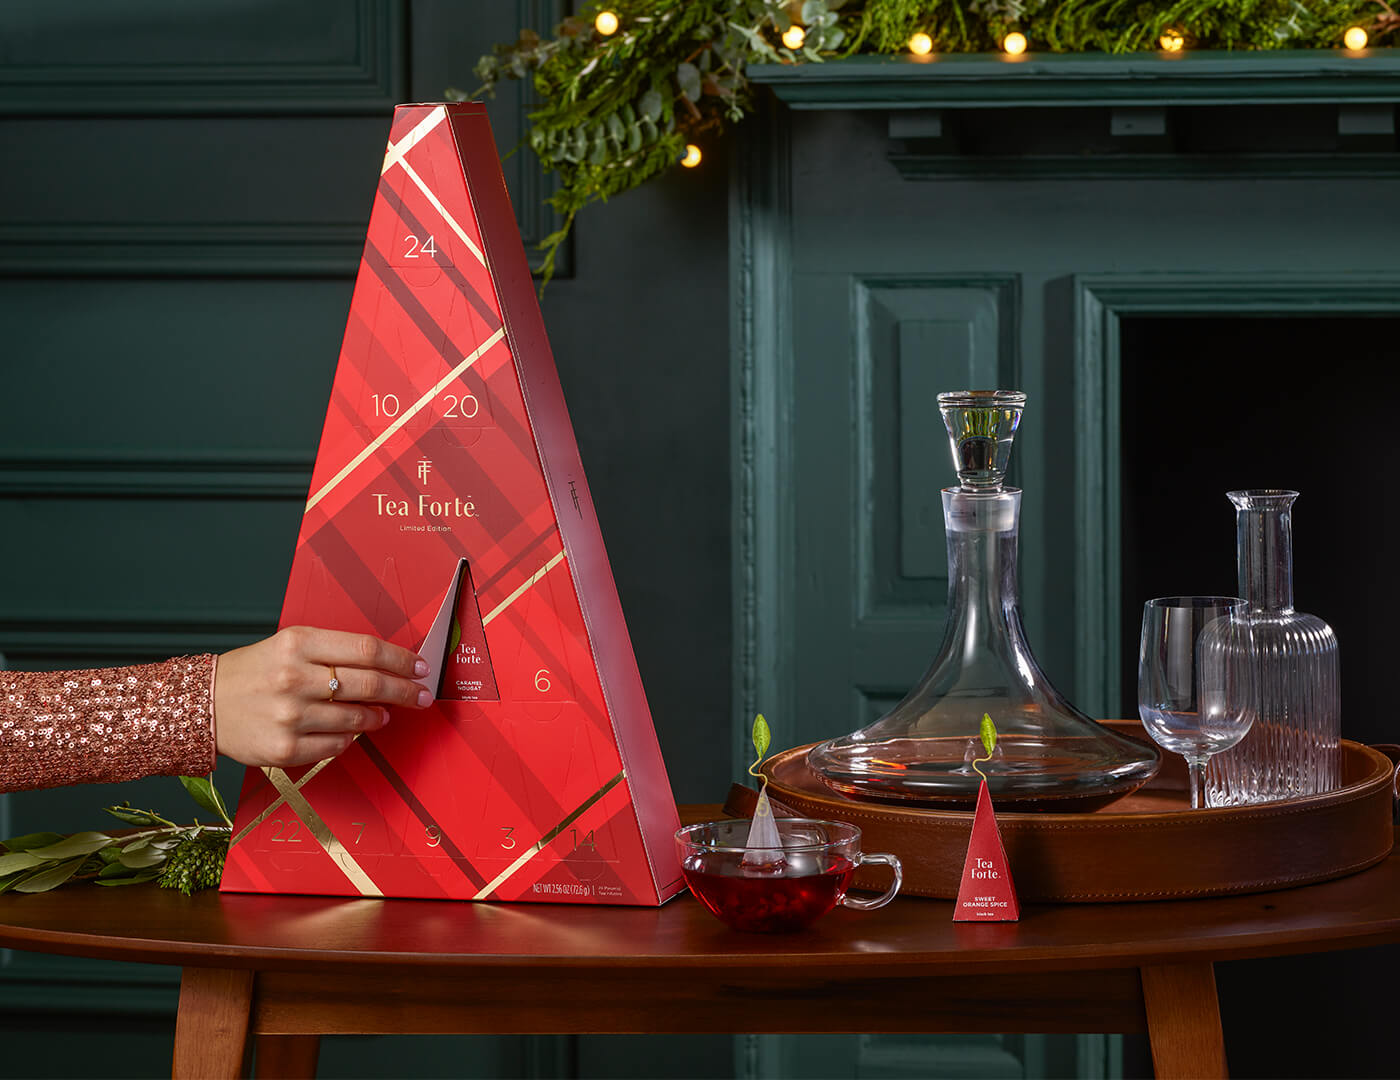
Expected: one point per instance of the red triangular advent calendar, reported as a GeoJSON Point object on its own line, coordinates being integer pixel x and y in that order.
{"type": "Point", "coordinates": [448, 513]}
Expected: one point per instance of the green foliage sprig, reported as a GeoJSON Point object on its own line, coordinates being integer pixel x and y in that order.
{"type": "Point", "coordinates": [617, 110]}
{"type": "Point", "coordinates": [184, 857]}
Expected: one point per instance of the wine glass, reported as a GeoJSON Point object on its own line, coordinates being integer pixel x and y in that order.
{"type": "Point", "coordinates": [1197, 679]}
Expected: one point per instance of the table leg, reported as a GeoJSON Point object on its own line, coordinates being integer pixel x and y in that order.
{"type": "Point", "coordinates": [211, 1027]}
{"type": "Point", "coordinates": [287, 1057]}
{"type": "Point", "coordinates": [1183, 1021]}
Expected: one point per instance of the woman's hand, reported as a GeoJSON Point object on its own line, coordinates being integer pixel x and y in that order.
{"type": "Point", "coordinates": [273, 703]}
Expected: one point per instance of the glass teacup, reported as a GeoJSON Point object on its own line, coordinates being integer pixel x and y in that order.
{"type": "Point", "coordinates": [774, 891]}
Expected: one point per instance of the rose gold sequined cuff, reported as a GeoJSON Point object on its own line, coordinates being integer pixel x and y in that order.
{"type": "Point", "coordinates": [106, 725]}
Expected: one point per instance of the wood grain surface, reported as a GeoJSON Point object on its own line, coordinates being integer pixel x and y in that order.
{"type": "Point", "coordinates": [307, 934]}
{"type": "Point", "coordinates": [287, 969]}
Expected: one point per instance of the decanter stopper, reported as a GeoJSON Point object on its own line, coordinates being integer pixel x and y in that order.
{"type": "Point", "coordinates": [981, 427]}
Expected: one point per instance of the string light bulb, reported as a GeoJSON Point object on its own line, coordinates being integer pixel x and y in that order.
{"type": "Point", "coordinates": [605, 23]}
{"type": "Point", "coordinates": [921, 44]}
{"type": "Point", "coordinates": [692, 156]}
{"type": "Point", "coordinates": [794, 36]}
{"type": "Point", "coordinates": [1014, 43]}
{"type": "Point", "coordinates": [1355, 38]}
{"type": "Point", "coordinates": [1172, 40]}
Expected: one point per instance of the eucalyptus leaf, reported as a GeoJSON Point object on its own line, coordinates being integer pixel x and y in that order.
{"type": "Point", "coordinates": [137, 845]}
{"type": "Point", "coordinates": [628, 114]}
{"type": "Point", "coordinates": [130, 815]}
{"type": "Point", "coordinates": [16, 861]}
{"type": "Point", "coordinates": [138, 860]}
{"type": "Point", "coordinates": [649, 131]}
{"type": "Point", "coordinates": [688, 79]}
{"type": "Point", "coordinates": [615, 129]}
{"type": "Point", "coordinates": [203, 791]}
{"type": "Point", "coordinates": [634, 138]}
{"type": "Point", "coordinates": [50, 878]}
{"type": "Point", "coordinates": [141, 878]}
{"type": "Point", "coordinates": [812, 11]}
{"type": "Point", "coordinates": [116, 869]}
{"type": "Point", "coordinates": [83, 843]}
{"type": "Point", "coordinates": [650, 105]}
{"type": "Point", "coordinates": [32, 840]}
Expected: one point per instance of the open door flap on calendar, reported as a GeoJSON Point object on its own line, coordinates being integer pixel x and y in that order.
{"type": "Point", "coordinates": [449, 513]}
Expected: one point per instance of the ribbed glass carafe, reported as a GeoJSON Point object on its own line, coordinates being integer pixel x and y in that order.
{"type": "Point", "coordinates": [1292, 748]}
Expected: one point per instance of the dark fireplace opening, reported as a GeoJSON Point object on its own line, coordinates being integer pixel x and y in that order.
{"type": "Point", "coordinates": [1214, 404]}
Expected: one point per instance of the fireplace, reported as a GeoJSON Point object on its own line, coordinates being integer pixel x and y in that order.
{"type": "Point", "coordinates": [1300, 402]}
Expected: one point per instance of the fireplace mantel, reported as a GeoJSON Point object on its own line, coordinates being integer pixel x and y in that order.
{"type": "Point", "coordinates": [1045, 80]}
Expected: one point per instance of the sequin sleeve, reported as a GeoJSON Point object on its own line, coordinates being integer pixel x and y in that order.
{"type": "Point", "coordinates": [106, 725]}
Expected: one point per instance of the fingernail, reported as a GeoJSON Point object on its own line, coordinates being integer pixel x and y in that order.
{"type": "Point", "coordinates": [420, 668]}
{"type": "Point", "coordinates": [424, 699]}
{"type": "Point", "coordinates": [384, 715]}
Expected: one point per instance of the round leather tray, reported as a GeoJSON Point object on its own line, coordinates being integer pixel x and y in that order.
{"type": "Point", "coordinates": [1149, 845]}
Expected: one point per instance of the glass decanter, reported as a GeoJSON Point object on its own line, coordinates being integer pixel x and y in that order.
{"type": "Point", "coordinates": [1048, 754]}
{"type": "Point", "coordinates": [1293, 748]}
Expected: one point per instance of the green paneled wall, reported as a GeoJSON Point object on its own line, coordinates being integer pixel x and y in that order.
{"type": "Point", "coordinates": [872, 261]}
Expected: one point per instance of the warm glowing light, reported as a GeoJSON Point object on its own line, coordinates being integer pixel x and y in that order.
{"type": "Point", "coordinates": [692, 156]}
{"type": "Point", "coordinates": [794, 36]}
{"type": "Point", "coordinates": [605, 23]}
{"type": "Point", "coordinates": [1172, 40]}
{"type": "Point", "coordinates": [1355, 38]}
{"type": "Point", "coordinates": [921, 44]}
{"type": "Point", "coordinates": [1014, 43]}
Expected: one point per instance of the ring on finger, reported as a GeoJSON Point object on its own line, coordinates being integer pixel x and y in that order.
{"type": "Point", "coordinates": [333, 685]}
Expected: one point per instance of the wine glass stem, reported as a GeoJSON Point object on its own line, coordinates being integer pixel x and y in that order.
{"type": "Point", "coordinates": [1196, 767]}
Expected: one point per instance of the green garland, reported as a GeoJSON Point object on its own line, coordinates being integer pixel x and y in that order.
{"type": "Point", "coordinates": [621, 108]}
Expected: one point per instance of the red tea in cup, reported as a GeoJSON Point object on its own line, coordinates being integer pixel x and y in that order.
{"type": "Point", "coordinates": [783, 892]}
{"type": "Point", "coordinates": [768, 904]}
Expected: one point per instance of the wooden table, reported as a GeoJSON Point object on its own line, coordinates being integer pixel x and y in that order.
{"type": "Point", "coordinates": [288, 969]}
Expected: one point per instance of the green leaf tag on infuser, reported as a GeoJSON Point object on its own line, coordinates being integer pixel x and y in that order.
{"type": "Point", "coordinates": [988, 734]}
{"type": "Point", "coordinates": [764, 850]}
{"type": "Point", "coordinates": [762, 737]}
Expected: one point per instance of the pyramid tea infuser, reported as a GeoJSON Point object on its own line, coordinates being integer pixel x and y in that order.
{"type": "Point", "coordinates": [1048, 755]}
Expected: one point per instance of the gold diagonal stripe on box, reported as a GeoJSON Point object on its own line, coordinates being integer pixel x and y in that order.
{"type": "Point", "coordinates": [298, 784]}
{"type": "Point", "coordinates": [321, 831]}
{"type": "Point", "coordinates": [513, 597]}
{"type": "Point", "coordinates": [395, 156]}
{"type": "Point", "coordinates": [442, 211]}
{"type": "Point", "coordinates": [394, 153]}
{"type": "Point", "coordinates": [540, 844]}
{"type": "Point", "coordinates": [405, 416]}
